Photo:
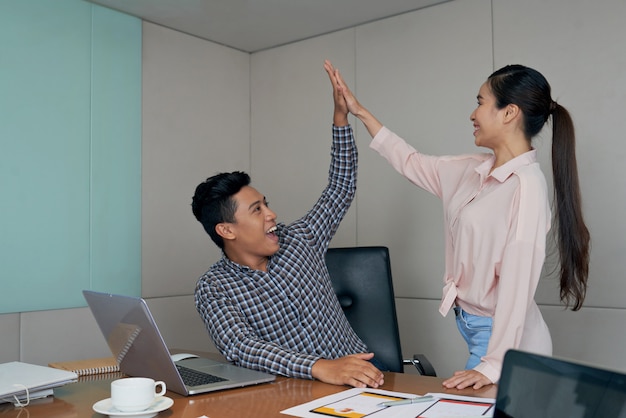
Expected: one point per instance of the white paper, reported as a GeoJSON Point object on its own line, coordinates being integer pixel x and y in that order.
{"type": "Point", "coordinates": [365, 402]}
{"type": "Point", "coordinates": [449, 406]}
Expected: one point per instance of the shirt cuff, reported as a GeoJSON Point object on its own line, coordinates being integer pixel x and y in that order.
{"type": "Point", "coordinates": [489, 371]}
{"type": "Point", "coordinates": [380, 137]}
{"type": "Point", "coordinates": [304, 368]}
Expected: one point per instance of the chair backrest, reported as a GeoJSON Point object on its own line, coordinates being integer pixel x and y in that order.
{"type": "Point", "coordinates": [361, 277]}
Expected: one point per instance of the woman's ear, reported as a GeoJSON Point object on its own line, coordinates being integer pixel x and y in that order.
{"type": "Point", "coordinates": [511, 112]}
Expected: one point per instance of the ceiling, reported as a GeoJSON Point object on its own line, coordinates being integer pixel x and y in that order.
{"type": "Point", "coordinates": [255, 25]}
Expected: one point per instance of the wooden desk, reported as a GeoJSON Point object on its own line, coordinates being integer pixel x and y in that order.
{"type": "Point", "coordinates": [265, 400]}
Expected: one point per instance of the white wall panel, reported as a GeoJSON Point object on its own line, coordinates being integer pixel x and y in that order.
{"type": "Point", "coordinates": [419, 73]}
{"type": "Point", "coordinates": [180, 324]}
{"type": "Point", "coordinates": [578, 45]}
{"type": "Point", "coordinates": [10, 341]}
{"type": "Point", "coordinates": [292, 116]}
{"type": "Point", "coordinates": [424, 331]}
{"type": "Point", "coordinates": [591, 335]}
{"type": "Point", "coordinates": [60, 335]}
{"type": "Point", "coordinates": [71, 334]}
{"type": "Point", "coordinates": [195, 123]}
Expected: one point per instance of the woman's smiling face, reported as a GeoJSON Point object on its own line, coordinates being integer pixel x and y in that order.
{"type": "Point", "coordinates": [486, 119]}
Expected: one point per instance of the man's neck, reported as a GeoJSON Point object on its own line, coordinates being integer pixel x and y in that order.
{"type": "Point", "coordinates": [251, 261]}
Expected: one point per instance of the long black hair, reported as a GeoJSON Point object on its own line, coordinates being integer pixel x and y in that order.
{"type": "Point", "coordinates": [530, 91]}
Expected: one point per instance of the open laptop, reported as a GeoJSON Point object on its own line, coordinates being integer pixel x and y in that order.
{"type": "Point", "coordinates": [538, 386]}
{"type": "Point", "coordinates": [137, 344]}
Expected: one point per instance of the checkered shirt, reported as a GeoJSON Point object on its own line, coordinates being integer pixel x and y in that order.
{"type": "Point", "coordinates": [284, 320]}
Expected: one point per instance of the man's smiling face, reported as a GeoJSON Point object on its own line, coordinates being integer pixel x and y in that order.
{"type": "Point", "coordinates": [254, 227]}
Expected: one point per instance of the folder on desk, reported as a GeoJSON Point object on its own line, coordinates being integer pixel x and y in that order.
{"type": "Point", "coordinates": [19, 381]}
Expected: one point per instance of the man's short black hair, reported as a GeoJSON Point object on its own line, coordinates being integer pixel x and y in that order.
{"type": "Point", "coordinates": [212, 202]}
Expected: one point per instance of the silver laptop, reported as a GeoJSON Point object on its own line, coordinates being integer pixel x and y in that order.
{"type": "Point", "coordinates": [137, 344]}
{"type": "Point", "coordinates": [24, 381]}
{"type": "Point", "coordinates": [534, 386]}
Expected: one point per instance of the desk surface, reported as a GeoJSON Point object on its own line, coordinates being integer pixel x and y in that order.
{"type": "Point", "coordinates": [265, 400]}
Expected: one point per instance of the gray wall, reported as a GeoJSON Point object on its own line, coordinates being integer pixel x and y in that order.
{"type": "Point", "coordinates": [207, 108]}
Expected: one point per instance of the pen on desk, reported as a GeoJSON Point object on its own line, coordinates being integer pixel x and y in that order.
{"type": "Point", "coordinates": [407, 401]}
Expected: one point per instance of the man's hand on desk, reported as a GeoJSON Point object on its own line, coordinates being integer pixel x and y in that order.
{"type": "Point", "coordinates": [354, 370]}
{"type": "Point", "coordinates": [466, 378]}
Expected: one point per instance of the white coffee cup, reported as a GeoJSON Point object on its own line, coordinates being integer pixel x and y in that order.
{"type": "Point", "coordinates": [133, 394]}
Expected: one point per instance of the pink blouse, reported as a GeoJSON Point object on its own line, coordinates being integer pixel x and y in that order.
{"type": "Point", "coordinates": [496, 226]}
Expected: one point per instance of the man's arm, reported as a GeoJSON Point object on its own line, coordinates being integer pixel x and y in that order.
{"type": "Point", "coordinates": [323, 220]}
{"type": "Point", "coordinates": [340, 115]}
{"type": "Point", "coordinates": [237, 340]}
{"type": "Point", "coordinates": [354, 370]}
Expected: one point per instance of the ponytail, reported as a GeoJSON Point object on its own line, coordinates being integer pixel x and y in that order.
{"type": "Point", "coordinates": [529, 89]}
{"type": "Point", "coordinates": [572, 233]}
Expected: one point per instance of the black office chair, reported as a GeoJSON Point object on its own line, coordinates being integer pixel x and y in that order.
{"type": "Point", "coordinates": [361, 277]}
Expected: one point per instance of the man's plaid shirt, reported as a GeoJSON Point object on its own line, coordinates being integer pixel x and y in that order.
{"type": "Point", "coordinates": [284, 320]}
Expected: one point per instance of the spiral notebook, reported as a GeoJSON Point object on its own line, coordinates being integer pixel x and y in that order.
{"type": "Point", "coordinates": [88, 367]}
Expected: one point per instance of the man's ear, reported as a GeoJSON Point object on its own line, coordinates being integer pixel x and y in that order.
{"type": "Point", "coordinates": [225, 231]}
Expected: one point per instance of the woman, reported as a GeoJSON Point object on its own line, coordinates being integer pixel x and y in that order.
{"type": "Point", "coordinates": [497, 216]}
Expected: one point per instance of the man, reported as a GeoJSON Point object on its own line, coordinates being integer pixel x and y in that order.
{"type": "Point", "coordinates": [268, 303]}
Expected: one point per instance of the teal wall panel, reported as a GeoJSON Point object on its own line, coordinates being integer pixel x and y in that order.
{"type": "Point", "coordinates": [116, 153]}
{"type": "Point", "coordinates": [69, 218]}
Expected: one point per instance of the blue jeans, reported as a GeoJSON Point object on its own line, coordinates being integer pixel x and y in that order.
{"type": "Point", "coordinates": [476, 330]}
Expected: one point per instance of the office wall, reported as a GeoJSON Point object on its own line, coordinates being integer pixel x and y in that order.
{"type": "Point", "coordinates": [419, 73]}
{"type": "Point", "coordinates": [196, 122]}
{"type": "Point", "coordinates": [575, 43]}
{"type": "Point", "coordinates": [70, 160]}
{"type": "Point", "coordinates": [69, 167]}
{"type": "Point", "coordinates": [292, 115]}
{"type": "Point", "coordinates": [433, 63]}
{"type": "Point", "coordinates": [193, 91]}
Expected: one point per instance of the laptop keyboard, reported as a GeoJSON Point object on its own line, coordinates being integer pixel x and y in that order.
{"type": "Point", "coordinates": [195, 378]}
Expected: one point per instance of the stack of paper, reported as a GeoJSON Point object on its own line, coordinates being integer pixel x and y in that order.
{"type": "Point", "coordinates": [356, 403]}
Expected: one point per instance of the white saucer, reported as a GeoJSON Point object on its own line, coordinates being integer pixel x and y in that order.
{"type": "Point", "coordinates": [160, 404]}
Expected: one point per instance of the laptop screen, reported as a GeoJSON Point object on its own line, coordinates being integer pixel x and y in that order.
{"type": "Point", "coordinates": [538, 386]}
{"type": "Point", "coordinates": [137, 344]}
{"type": "Point", "coordinates": [131, 334]}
